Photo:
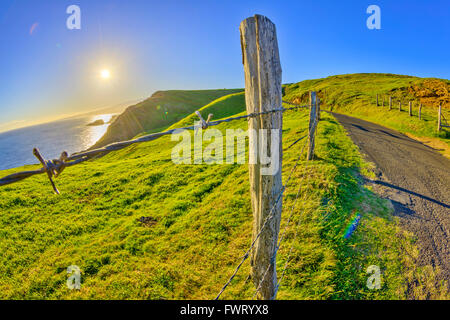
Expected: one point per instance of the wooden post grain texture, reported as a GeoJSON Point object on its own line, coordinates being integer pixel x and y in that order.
{"type": "Point", "coordinates": [439, 118]}
{"type": "Point", "coordinates": [420, 111]}
{"type": "Point", "coordinates": [410, 109]}
{"type": "Point", "coordinates": [263, 93]}
{"type": "Point", "coordinates": [312, 124]}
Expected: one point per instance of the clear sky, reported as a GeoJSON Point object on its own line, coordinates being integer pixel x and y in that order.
{"type": "Point", "coordinates": [48, 71]}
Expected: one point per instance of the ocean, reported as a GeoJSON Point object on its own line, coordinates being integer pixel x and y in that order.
{"type": "Point", "coordinates": [71, 135]}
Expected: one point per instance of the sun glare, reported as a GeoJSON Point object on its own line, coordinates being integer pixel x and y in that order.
{"type": "Point", "coordinates": [105, 74]}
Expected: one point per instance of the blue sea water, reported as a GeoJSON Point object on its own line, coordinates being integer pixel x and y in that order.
{"type": "Point", "coordinates": [71, 135]}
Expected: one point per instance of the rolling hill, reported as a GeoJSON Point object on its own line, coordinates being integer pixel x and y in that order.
{"type": "Point", "coordinates": [141, 227]}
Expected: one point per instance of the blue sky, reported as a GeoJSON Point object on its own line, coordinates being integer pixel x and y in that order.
{"type": "Point", "coordinates": [48, 71]}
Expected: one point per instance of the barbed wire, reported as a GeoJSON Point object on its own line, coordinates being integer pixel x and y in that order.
{"type": "Point", "coordinates": [287, 223]}
{"type": "Point", "coordinates": [293, 143]}
{"type": "Point", "coordinates": [291, 248]}
{"type": "Point", "coordinates": [281, 239]}
{"type": "Point", "coordinates": [295, 104]}
{"type": "Point", "coordinates": [269, 217]}
{"type": "Point", "coordinates": [53, 168]}
{"type": "Point", "coordinates": [445, 120]}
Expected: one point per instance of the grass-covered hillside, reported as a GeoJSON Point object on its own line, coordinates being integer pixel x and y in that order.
{"type": "Point", "coordinates": [222, 107]}
{"type": "Point", "coordinates": [355, 95]}
{"type": "Point", "coordinates": [158, 112]}
{"type": "Point", "coordinates": [141, 227]}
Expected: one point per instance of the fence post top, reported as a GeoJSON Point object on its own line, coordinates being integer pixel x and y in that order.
{"type": "Point", "coordinates": [256, 17]}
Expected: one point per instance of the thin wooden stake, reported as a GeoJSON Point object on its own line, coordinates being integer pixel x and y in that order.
{"type": "Point", "coordinates": [439, 117]}
{"type": "Point", "coordinates": [410, 109]}
{"type": "Point", "coordinates": [312, 124]}
{"type": "Point", "coordinates": [420, 111]}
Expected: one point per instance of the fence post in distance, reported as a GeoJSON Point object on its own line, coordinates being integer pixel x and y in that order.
{"type": "Point", "coordinates": [312, 124]}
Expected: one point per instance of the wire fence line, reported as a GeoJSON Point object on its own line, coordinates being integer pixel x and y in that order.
{"type": "Point", "coordinates": [284, 232]}
{"type": "Point", "coordinates": [294, 239]}
{"type": "Point", "coordinates": [270, 216]}
{"type": "Point", "coordinates": [295, 104]}
{"type": "Point", "coordinates": [53, 168]}
{"type": "Point", "coordinates": [409, 108]}
{"type": "Point", "coordinates": [446, 125]}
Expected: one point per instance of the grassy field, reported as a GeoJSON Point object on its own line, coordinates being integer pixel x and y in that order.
{"type": "Point", "coordinates": [355, 95]}
{"type": "Point", "coordinates": [198, 224]}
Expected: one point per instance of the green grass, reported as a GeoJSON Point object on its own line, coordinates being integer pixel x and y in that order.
{"type": "Point", "coordinates": [355, 95]}
{"type": "Point", "coordinates": [203, 225]}
{"type": "Point", "coordinates": [222, 107]}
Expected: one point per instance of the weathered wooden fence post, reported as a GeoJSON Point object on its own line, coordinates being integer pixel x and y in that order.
{"type": "Point", "coordinates": [410, 109]}
{"type": "Point", "coordinates": [377, 99]}
{"type": "Point", "coordinates": [312, 124]}
{"type": "Point", "coordinates": [390, 102]}
{"type": "Point", "coordinates": [420, 111]}
{"type": "Point", "coordinates": [263, 93]}
{"type": "Point", "coordinates": [439, 117]}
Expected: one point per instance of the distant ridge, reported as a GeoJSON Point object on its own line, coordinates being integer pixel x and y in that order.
{"type": "Point", "coordinates": [118, 108]}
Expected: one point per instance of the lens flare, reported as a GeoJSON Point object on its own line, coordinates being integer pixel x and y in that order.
{"type": "Point", "coordinates": [352, 226]}
{"type": "Point", "coordinates": [105, 74]}
{"type": "Point", "coordinates": [33, 28]}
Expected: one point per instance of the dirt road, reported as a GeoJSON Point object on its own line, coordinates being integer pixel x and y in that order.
{"type": "Point", "coordinates": [416, 179]}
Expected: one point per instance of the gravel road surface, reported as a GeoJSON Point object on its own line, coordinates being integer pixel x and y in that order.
{"type": "Point", "coordinates": [416, 178]}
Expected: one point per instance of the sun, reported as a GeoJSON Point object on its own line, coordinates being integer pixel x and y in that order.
{"type": "Point", "coordinates": [105, 74]}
